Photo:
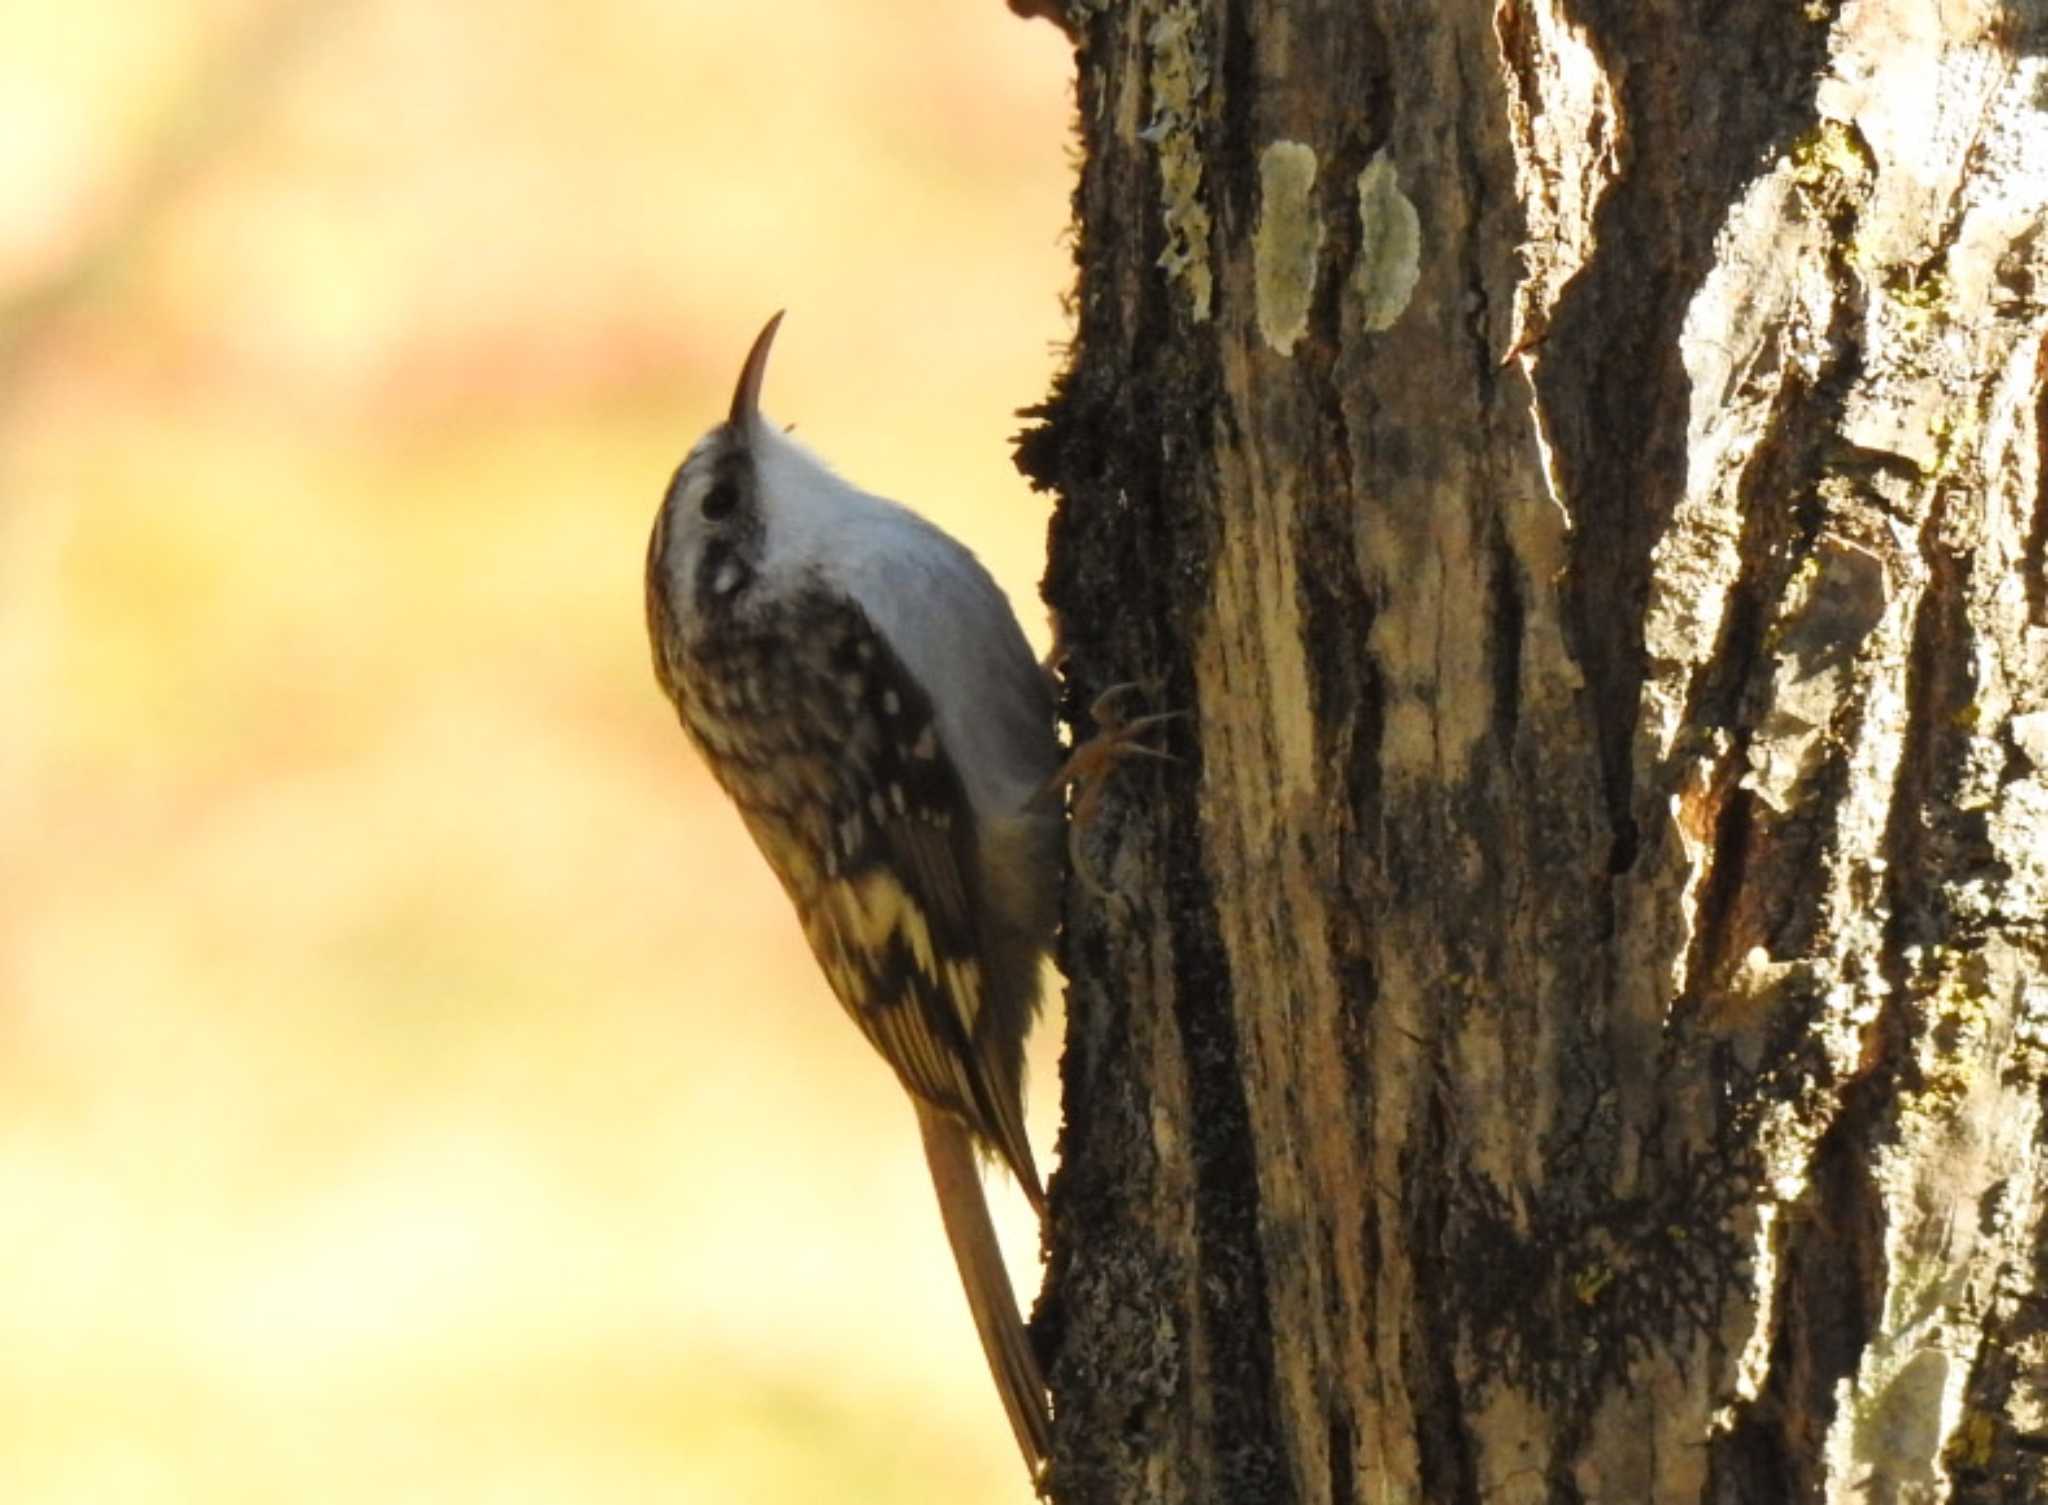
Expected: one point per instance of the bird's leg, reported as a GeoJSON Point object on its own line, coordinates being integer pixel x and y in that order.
{"type": "Point", "coordinates": [1087, 769]}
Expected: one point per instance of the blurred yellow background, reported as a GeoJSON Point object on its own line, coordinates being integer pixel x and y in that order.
{"type": "Point", "coordinates": [412, 1085]}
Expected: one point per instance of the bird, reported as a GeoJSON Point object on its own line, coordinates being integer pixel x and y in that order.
{"type": "Point", "coordinates": [861, 689]}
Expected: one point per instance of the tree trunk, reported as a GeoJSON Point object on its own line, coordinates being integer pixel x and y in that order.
{"type": "Point", "coordinates": [1572, 1025]}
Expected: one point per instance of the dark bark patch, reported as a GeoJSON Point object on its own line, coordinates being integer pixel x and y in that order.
{"type": "Point", "coordinates": [1444, 1457]}
{"type": "Point", "coordinates": [1829, 1295]}
{"type": "Point", "coordinates": [1565, 1308]}
{"type": "Point", "coordinates": [1504, 639]}
{"type": "Point", "coordinates": [1233, 164]}
{"type": "Point", "coordinates": [1246, 1438]}
{"type": "Point", "coordinates": [1343, 1477]}
{"type": "Point", "coordinates": [2035, 570]}
{"type": "Point", "coordinates": [1337, 614]}
{"type": "Point", "coordinates": [1930, 844]}
{"type": "Point", "coordinates": [1124, 440]}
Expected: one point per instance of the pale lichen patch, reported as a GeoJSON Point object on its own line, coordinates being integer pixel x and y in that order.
{"type": "Point", "coordinates": [1287, 243]}
{"type": "Point", "coordinates": [1179, 79]}
{"type": "Point", "coordinates": [1389, 246]}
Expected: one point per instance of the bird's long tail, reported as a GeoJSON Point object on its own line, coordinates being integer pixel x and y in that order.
{"type": "Point", "coordinates": [964, 1208]}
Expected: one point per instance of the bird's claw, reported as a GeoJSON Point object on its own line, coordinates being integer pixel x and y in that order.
{"type": "Point", "coordinates": [1088, 766]}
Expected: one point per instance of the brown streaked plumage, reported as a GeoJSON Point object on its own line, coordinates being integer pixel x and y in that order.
{"type": "Point", "coordinates": [860, 689]}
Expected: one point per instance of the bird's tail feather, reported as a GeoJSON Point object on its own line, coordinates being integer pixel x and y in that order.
{"type": "Point", "coordinates": [964, 1208]}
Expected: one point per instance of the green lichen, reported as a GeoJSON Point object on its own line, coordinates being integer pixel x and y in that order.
{"type": "Point", "coordinates": [1389, 245]}
{"type": "Point", "coordinates": [1287, 243]}
{"type": "Point", "coordinates": [1953, 432]}
{"type": "Point", "coordinates": [1833, 152]}
{"type": "Point", "coordinates": [1590, 1282]}
{"type": "Point", "coordinates": [1179, 79]}
{"type": "Point", "coordinates": [1960, 1015]}
{"type": "Point", "coordinates": [1919, 293]}
{"type": "Point", "coordinates": [1833, 172]}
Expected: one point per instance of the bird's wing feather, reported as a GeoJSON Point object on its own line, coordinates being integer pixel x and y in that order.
{"type": "Point", "coordinates": [894, 921]}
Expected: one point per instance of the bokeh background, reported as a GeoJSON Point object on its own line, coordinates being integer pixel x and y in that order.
{"type": "Point", "coordinates": [412, 1085]}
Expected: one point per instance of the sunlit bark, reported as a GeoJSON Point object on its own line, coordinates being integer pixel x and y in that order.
{"type": "Point", "coordinates": [1572, 1026]}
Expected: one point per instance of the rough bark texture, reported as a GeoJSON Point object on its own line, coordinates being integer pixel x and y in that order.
{"type": "Point", "coordinates": [1574, 1027]}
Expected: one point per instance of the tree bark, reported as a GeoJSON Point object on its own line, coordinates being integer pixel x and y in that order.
{"type": "Point", "coordinates": [1572, 1026]}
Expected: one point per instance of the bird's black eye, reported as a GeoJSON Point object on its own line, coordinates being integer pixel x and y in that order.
{"type": "Point", "coordinates": [719, 501]}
